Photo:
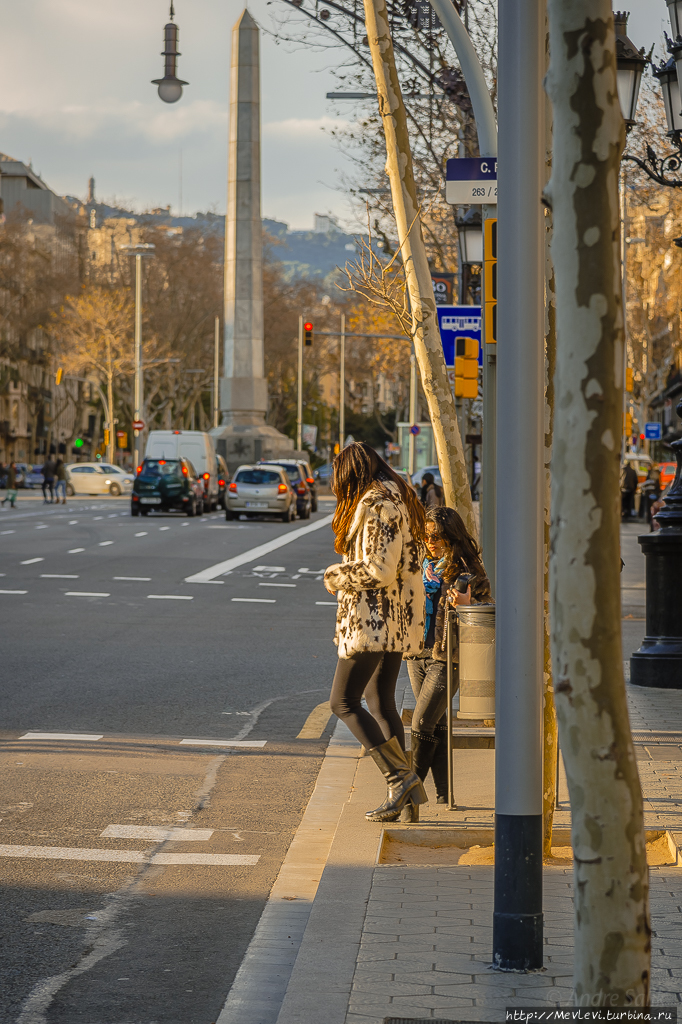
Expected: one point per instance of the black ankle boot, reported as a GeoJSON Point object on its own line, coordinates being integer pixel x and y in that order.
{"type": "Point", "coordinates": [439, 764]}
{"type": "Point", "coordinates": [423, 749]}
{"type": "Point", "coordinates": [403, 784]}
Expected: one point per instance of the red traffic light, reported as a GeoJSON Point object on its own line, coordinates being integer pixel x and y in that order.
{"type": "Point", "coordinates": [307, 327]}
{"type": "Point", "coordinates": [308, 333]}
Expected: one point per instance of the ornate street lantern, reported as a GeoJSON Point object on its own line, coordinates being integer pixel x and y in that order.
{"type": "Point", "coordinates": [670, 87]}
{"type": "Point", "coordinates": [675, 14]}
{"type": "Point", "coordinates": [470, 230]}
{"type": "Point", "coordinates": [170, 86]}
{"type": "Point", "coordinates": [630, 64]}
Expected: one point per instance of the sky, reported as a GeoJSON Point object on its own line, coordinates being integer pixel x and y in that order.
{"type": "Point", "coordinates": [76, 99]}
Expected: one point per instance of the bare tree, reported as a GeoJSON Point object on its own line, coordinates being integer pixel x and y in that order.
{"type": "Point", "coordinates": [612, 928]}
{"type": "Point", "coordinates": [426, 335]}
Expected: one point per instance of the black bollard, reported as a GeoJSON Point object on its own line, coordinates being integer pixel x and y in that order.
{"type": "Point", "coordinates": [658, 662]}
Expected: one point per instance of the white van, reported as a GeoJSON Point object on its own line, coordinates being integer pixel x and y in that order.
{"type": "Point", "coordinates": [194, 445]}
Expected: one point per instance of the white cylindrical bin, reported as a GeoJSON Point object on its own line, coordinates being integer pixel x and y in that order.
{"type": "Point", "coordinates": [476, 661]}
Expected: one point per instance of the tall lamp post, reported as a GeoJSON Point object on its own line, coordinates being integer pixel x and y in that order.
{"type": "Point", "coordinates": [658, 662]}
{"type": "Point", "coordinates": [139, 251]}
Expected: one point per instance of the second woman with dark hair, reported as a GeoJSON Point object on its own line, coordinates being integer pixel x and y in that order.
{"type": "Point", "coordinates": [452, 553]}
{"type": "Point", "coordinates": [379, 527]}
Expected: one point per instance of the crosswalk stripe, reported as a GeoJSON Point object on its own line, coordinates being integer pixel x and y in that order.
{"type": "Point", "coordinates": [224, 743]}
{"type": "Point", "coordinates": [157, 832]}
{"type": "Point", "coordinates": [128, 856]}
{"type": "Point", "coordinates": [83, 736]}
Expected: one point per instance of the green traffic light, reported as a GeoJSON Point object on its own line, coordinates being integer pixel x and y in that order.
{"type": "Point", "coordinates": [79, 442]}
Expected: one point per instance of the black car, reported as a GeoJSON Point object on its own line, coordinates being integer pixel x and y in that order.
{"type": "Point", "coordinates": [167, 485]}
{"type": "Point", "coordinates": [302, 478]}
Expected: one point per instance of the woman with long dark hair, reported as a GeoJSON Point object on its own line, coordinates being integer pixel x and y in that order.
{"type": "Point", "coordinates": [379, 528]}
{"type": "Point", "coordinates": [452, 552]}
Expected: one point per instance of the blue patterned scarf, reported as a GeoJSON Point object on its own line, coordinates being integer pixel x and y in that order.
{"type": "Point", "coordinates": [433, 580]}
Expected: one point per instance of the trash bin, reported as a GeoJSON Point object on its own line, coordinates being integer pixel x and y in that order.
{"type": "Point", "coordinates": [476, 661]}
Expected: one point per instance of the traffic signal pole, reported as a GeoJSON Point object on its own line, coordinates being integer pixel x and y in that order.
{"type": "Point", "coordinates": [517, 918]}
{"type": "Point", "coordinates": [299, 412]}
{"type": "Point", "coordinates": [216, 373]}
{"type": "Point", "coordinates": [137, 398]}
{"type": "Point", "coordinates": [342, 383]}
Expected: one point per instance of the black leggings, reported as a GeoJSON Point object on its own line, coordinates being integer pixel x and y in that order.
{"type": "Point", "coordinates": [374, 675]}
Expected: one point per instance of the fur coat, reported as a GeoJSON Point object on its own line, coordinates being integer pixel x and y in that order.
{"type": "Point", "coordinates": [379, 582]}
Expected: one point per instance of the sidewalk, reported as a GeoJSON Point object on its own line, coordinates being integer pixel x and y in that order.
{"type": "Point", "coordinates": [348, 940]}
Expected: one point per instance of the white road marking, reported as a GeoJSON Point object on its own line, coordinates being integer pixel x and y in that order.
{"type": "Point", "coordinates": [143, 534]}
{"type": "Point", "coordinates": [83, 593]}
{"type": "Point", "coordinates": [170, 597]}
{"type": "Point", "coordinates": [269, 568]}
{"type": "Point", "coordinates": [254, 553]}
{"type": "Point", "coordinates": [224, 743]}
{"type": "Point", "coordinates": [312, 572]}
{"type": "Point", "coordinates": [57, 576]}
{"type": "Point", "coordinates": [72, 522]}
{"type": "Point", "coordinates": [220, 526]}
{"type": "Point", "coordinates": [164, 528]}
{"type": "Point", "coordinates": [129, 856]}
{"type": "Point", "coordinates": [276, 584]}
{"type": "Point", "coordinates": [334, 603]}
{"type": "Point", "coordinates": [89, 736]}
{"type": "Point", "coordinates": [75, 551]}
{"type": "Point", "coordinates": [8, 531]}
{"type": "Point", "coordinates": [112, 515]}
{"type": "Point", "coordinates": [43, 526]}
{"type": "Point", "coordinates": [30, 561]}
{"type": "Point", "coordinates": [140, 579]}
{"type": "Point", "coordinates": [96, 518]}
{"type": "Point", "coordinates": [220, 582]}
{"type": "Point", "coordinates": [13, 591]}
{"type": "Point", "coordinates": [158, 834]}
{"type": "Point", "coordinates": [255, 600]}
{"type": "Point", "coordinates": [105, 543]}
{"type": "Point", "coordinates": [184, 524]}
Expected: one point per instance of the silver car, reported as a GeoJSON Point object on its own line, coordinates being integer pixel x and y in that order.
{"type": "Point", "coordinates": [260, 491]}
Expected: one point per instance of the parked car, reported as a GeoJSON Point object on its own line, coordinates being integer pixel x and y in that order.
{"type": "Point", "coordinates": [97, 478]}
{"type": "Point", "coordinates": [33, 477]}
{"type": "Point", "coordinates": [419, 476]}
{"type": "Point", "coordinates": [404, 475]}
{"type": "Point", "coordinates": [667, 471]}
{"type": "Point", "coordinates": [323, 473]}
{"type": "Point", "coordinates": [261, 490]}
{"type": "Point", "coordinates": [303, 481]}
{"type": "Point", "coordinates": [23, 469]}
{"type": "Point", "coordinates": [167, 485]}
{"type": "Point", "coordinates": [223, 481]}
{"type": "Point", "coordinates": [195, 445]}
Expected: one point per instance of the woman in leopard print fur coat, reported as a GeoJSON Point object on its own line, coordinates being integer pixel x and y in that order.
{"type": "Point", "coordinates": [379, 528]}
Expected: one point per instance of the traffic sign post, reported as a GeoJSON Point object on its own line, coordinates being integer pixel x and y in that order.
{"type": "Point", "coordinates": [471, 180]}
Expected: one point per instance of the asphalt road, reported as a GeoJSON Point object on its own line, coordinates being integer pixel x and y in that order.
{"type": "Point", "coordinates": [109, 917]}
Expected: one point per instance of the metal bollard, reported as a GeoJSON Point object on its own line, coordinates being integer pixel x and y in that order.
{"type": "Point", "coordinates": [476, 661]}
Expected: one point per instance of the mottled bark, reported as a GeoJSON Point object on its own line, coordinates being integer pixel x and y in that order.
{"type": "Point", "coordinates": [427, 344]}
{"type": "Point", "coordinates": [612, 930]}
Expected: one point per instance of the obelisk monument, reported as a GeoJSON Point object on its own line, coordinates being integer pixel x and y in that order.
{"type": "Point", "coordinates": [244, 435]}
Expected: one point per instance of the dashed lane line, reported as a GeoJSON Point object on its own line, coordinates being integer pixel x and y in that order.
{"type": "Point", "coordinates": [13, 591]}
{"type": "Point", "coordinates": [254, 600]}
{"type": "Point", "coordinates": [223, 743]}
{"type": "Point", "coordinates": [138, 579]}
{"type": "Point", "coordinates": [5, 532]}
{"type": "Point", "coordinates": [258, 552]}
{"type": "Point", "coordinates": [129, 856]}
{"type": "Point", "coordinates": [143, 534]}
{"type": "Point", "coordinates": [164, 528]}
{"type": "Point", "coordinates": [105, 543]}
{"type": "Point", "coordinates": [157, 833]}
{"type": "Point", "coordinates": [57, 576]}
{"type": "Point", "coordinates": [170, 597]}
{"type": "Point", "coordinates": [75, 551]}
{"type": "Point", "coordinates": [89, 737]}
{"type": "Point", "coordinates": [84, 593]}
{"type": "Point", "coordinates": [328, 603]}
{"type": "Point", "coordinates": [276, 584]}
{"type": "Point", "coordinates": [30, 561]}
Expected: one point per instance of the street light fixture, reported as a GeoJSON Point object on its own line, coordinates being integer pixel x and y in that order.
{"type": "Point", "coordinates": [139, 251]}
{"type": "Point", "coordinates": [170, 86]}
{"type": "Point", "coordinates": [470, 230]}
{"type": "Point", "coordinates": [630, 63]}
{"type": "Point", "coordinates": [670, 87]}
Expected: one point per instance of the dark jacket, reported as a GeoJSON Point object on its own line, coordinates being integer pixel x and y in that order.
{"type": "Point", "coordinates": [480, 594]}
{"type": "Point", "coordinates": [11, 478]}
{"type": "Point", "coordinates": [629, 479]}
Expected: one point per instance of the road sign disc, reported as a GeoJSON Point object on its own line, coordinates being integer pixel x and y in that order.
{"type": "Point", "coordinates": [138, 424]}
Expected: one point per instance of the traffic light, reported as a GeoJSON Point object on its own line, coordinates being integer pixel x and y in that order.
{"type": "Point", "coordinates": [629, 379]}
{"type": "Point", "coordinates": [628, 424]}
{"type": "Point", "coordinates": [466, 368]}
{"type": "Point", "coordinates": [490, 280]}
{"type": "Point", "coordinates": [308, 333]}
{"type": "Point", "coordinates": [106, 437]}
{"type": "Point", "coordinates": [122, 439]}
{"type": "Point", "coordinates": [58, 376]}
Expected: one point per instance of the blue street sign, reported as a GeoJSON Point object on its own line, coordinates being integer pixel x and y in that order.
{"type": "Point", "coordinates": [459, 322]}
{"type": "Point", "coordinates": [415, 429]}
{"type": "Point", "coordinates": [471, 179]}
{"type": "Point", "coordinates": [652, 431]}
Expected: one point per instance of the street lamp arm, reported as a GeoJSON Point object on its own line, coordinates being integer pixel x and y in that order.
{"type": "Point", "coordinates": [657, 168]}
{"type": "Point", "coordinates": [484, 112]}
{"type": "Point", "coordinates": [86, 380]}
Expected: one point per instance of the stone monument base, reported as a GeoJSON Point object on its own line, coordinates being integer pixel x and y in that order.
{"type": "Point", "coordinates": [250, 443]}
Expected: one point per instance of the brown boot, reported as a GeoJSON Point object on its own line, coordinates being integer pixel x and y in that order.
{"type": "Point", "coordinates": [403, 784]}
